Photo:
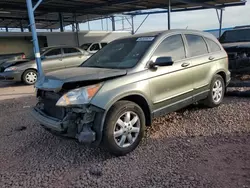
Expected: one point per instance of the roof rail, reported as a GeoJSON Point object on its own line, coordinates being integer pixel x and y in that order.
{"type": "Point", "coordinates": [243, 26]}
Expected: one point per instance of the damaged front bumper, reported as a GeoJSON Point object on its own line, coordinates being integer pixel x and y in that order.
{"type": "Point", "coordinates": [84, 124]}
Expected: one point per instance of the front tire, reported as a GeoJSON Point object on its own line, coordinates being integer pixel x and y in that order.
{"type": "Point", "coordinates": [124, 128]}
{"type": "Point", "coordinates": [216, 93]}
{"type": "Point", "coordinates": [30, 77]}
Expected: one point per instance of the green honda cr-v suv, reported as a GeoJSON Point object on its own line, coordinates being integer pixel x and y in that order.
{"type": "Point", "coordinates": [114, 95]}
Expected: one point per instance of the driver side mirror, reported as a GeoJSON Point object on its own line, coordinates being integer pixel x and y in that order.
{"type": "Point", "coordinates": [162, 61]}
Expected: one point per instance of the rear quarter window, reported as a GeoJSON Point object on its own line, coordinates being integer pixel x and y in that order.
{"type": "Point", "coordinates": [213, 46]}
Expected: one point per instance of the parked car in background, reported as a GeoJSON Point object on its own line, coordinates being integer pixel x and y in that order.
{"type": "Point", "coordinates": [119, 90]}
{"type": "Point", "coordinates": [11, 57]}
{"type": "Point", "coordinates": [53, 58]}
{"type": "Point", "coordinates": [237, 44]}
{"type": "Point", "coordinates": [93, 47]}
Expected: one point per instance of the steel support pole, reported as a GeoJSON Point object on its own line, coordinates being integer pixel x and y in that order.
{"type": "Point", "coordinates": [88, 26]}
{"type": "Point", "coordinates": [77, 26]}
{"type": "Point", "coordinates": [21, 26]}
{"type": "Point", "coordinates": [113, 23]}
{"type": "Point", "coordinates": [221, 18]}
{"type": "Point", "coordinates": [77, 31]}
{"type": "Point", "coordinates": [132, 24]}
{"type": "Point", "coordinates": [61, 22]}
{"type": "Point", "coordinates": [107, 24]}
{"type": "Point", "coordinates": [102, 23]}
{"type": "Point", "coordinates": [141, 23]}
{"type": "Point", "coordinates": [34, 38]}
{"type": "Point", "coordinates": [169, 13]}
{"type": "Point", "coordinates": [123, 23]}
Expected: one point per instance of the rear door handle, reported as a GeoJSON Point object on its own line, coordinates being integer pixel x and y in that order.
{"type": "Point", "coordinates": [211, 58]}
{"type": "Point", "coordinates": [185, 64]}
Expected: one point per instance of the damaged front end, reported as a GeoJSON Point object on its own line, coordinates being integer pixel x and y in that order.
{"type": "Point", "coordinates": [80, 121]}
{"type": "Point", "coordinates": [64, 102]}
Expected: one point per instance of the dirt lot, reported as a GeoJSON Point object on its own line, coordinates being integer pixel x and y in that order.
{"type": "Point", "coordinates": [195, 147]}
{"type": "Point", "coordinates": [10, 90]}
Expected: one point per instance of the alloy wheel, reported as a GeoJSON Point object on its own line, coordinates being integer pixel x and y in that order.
{"type": "Point", "coordinates": [217, 91]}
{"type": "Point", "coordinates": [31, 77]}
{"type": "Point", "coordinates": [127, 129]}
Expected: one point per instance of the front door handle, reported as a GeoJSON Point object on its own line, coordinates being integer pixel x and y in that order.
{"type": "Point", "coordinates": [211, 58]}
{"type": "Point", "coordinates": [185, 64]}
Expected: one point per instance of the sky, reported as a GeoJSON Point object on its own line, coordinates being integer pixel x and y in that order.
{"type": "Point", "coordinates": [199, 19]}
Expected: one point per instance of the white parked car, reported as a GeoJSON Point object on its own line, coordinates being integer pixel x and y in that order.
{"type": "Point", "coordinates": [93, 47]}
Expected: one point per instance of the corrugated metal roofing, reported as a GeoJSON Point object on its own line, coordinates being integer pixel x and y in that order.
{"type": "Point", "coordinates": [13, 13]}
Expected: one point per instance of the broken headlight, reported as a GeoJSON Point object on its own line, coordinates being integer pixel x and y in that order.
{"type": "Point", "coordinates": [81, 95]}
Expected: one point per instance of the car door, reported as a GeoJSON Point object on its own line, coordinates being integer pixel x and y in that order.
{"type": "Point", "coordinates": [53, 60]}
{"type": "Point", "coordinates": [72, 57]}
{"type": "Point", "coordinates": [202, 62]}
{"type": "Point", "coordinates": [171, 86]}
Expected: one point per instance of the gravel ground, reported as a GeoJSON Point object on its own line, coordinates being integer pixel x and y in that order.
{"type": "Point", "coordinates": [195, 147]}
{"type": "Point", "coordinates": [10, 90]}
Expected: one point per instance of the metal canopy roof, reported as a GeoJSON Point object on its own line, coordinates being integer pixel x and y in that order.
{"type": "Point", "coordinates": [13, 13]}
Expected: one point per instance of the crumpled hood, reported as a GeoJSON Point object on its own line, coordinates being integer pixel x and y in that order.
{"type": "Point", "coordinates": [236, 45]}
{"type": "Point", "coordinates": [55, 80]}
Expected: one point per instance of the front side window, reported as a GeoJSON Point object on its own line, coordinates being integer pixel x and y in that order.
{"type": "Point", "coordinates": [120, 54]}
{"type": "Point", "coordinates": [196, 45]}
{"type": "Point", "coordinates": [213, 46]}
{"type": "Point", "coordinates": [95, 47]}
{"type": "Point", "coordinates": [172, 46]}
{"type": "Point", "coordinates": [54, 53]}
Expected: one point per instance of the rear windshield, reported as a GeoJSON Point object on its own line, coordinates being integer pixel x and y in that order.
{"type": "Point", "coordinates": [240, 35]}
{"type": "Point", "coordinates": [120, 54]}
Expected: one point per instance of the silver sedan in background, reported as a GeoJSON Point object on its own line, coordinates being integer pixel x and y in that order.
{"type": "Point", "coordinates": [53, 58]}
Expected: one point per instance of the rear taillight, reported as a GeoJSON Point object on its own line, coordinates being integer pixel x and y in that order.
{"type": "Point", "coordinates": [23, 56]}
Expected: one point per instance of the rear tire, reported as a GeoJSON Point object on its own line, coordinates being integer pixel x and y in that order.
{"type": "Point", "coordinates": [216, 93]}
{"type": "Point", "coordinates": [124, 128]}
{"type": "Point", "coordinates": [30, 77]}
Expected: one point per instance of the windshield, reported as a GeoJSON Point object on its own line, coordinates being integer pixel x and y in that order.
{"type": "Point", "coordinates": [240, 35]}
{"type": "Point", "coordinates": [85, 46]}
{"type": "Point", "coordinates": [120, 54]}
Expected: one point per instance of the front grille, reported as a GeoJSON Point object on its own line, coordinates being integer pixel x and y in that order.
{"type": "Point", "coordinates": [49, 100]}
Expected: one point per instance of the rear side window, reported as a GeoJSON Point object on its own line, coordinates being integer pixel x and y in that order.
{"type": "Point", "coordinates": [71, 51]}
{"type": "Point", "coordinates": [172, 46]}
{"type": "Point", "coordinates": [213, 46]}
{"type": "Point", "coordinates": [196, 45]}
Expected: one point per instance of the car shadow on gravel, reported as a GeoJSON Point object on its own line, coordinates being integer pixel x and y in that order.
{"type": "Point", "coordinates": [4, 84]}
